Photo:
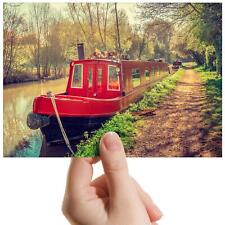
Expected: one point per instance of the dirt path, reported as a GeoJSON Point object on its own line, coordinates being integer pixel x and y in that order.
{"type": "Point", "coordinates": [177, 128]}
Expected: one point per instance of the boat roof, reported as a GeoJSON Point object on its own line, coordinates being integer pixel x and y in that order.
{"type": "Point", "coordinates": [110, 61]}
{"type": "Point", "coordinates": [95, 60]}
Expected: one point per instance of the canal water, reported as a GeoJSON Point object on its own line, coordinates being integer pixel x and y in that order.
{"type": "Point", "coordinates": [18, 139]}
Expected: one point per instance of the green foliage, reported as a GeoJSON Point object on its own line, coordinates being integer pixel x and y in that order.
{"type": "Point", "coordinates": [213, 89]}
{"type": "Point", "coordinates": [208, 30]}
{"type": "Point", "coordinates": [125, 124]}
{"type": "Point", "coordinates": [197, 26]}
{"type": "Point", "coordinates": [122, 124]}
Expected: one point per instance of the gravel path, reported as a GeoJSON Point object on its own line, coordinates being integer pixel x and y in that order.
{"type": "Point", "coordinates": [177, 128]}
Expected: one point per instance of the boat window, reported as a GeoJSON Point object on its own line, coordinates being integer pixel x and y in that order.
{"type": "Point", "coordinates": [78, 76]}
{"type": "Point", "coordinates": [136, 79]}
{"type": "Point", "coordinates": [90, 75]}
{"type": "Point", "coordinates": [113, 78]}
{"type": "Point", "coordinates": [153, 71]}
{"type": "Point", "coordinates": [99, 77]}
{"type": "Point", "coordinates": [147, 74]}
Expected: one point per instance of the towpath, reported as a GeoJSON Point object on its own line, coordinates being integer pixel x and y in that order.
{"type": "Point", "coordinates": [177, 129]}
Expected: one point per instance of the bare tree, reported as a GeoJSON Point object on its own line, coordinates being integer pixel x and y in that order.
{"type": "Point", "coordinates": [14, 25]}
{"type": "Point", "coordinates": [105, 22]}
{"type": "Point", "coordinates": [177, 13]}
{"type": "Point", "coordinates": [102, 19]}
{"type": "Point", "coordinates": [93, 21]}
{"type": "Point", "coordinates": [83, 14]}
{"type": "Point", "coordinates": [46, 33]}
{"type": "Point", "coordinates": [39, 14]}
{"type": "Point", "coordinates": [99, 26]}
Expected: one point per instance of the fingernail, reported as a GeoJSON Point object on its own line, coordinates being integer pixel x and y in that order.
{"type": "Point", "coordinates": [111, 141]}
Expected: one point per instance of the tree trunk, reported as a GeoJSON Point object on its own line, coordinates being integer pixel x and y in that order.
{"type": "Point", "coordinates": [199, 59]}
{"type": "Point", "coordinates": [38, 60]}
{"type": "Point", "coordinates": [117, 28]}
{"type": "Point", "coordinates": [218, 48]}
{"type": "Point", "coordinates": [141, 47]}
{"type": "Point", "coordinates": [99, 26]}
{"type": "Point", "coordinates": [105, 25]}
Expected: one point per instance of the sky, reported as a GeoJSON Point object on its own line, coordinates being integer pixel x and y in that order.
{"type": "Point", "coordinates": [128, 7]}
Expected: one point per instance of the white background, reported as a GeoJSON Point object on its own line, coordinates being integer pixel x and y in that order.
{"type": "Point", "coordinates": [189, 191]}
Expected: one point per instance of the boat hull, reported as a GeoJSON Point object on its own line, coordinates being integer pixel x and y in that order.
{"type": "Point", "coordinates": [77, 106]}
{"type": "Point", "coordinates": [73, 126]}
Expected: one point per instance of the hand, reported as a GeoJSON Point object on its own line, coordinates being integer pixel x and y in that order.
{"type": "Point", "coordinates": [113, 198]}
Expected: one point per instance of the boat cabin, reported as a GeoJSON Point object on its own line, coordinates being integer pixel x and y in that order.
{"type": "Point", "coordinates": [95, 79]}
{"type": "Point", "coordinates": [105, 79]}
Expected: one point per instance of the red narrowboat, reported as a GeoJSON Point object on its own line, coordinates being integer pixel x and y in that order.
{"type": "Point", "coordinates": [176, 65]}
{"type": "Point", "coordinates": [97, 89]}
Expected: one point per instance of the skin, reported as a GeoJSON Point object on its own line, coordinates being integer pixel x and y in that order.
{"type": "Point", "coordinates": [113, 198]}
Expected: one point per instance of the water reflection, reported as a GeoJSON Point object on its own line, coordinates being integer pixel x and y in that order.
{"type": "Point", "coordinates": [17, 104]}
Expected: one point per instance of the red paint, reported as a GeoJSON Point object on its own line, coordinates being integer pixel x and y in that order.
{"type": "Point", "coordinates": [96, 99]}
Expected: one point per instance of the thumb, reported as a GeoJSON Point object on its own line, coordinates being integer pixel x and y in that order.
{"type": "Point", "coordinates": [114, 162]}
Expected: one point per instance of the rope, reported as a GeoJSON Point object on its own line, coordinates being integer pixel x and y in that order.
{"type": "Point", "coordinates": [52, 97]}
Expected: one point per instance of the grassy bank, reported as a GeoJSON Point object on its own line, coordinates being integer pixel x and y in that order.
{"type": "Point", "coordinates": [213, 89]}
{"type": "Point", "coordinates": [126, 124]}
{"type": "Point", "coordinates": [25, 77]}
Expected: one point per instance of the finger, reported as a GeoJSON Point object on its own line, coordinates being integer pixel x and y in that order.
{"type": "Point", "coordinates": [79, 174]}
{"type": "Point", "coordinates": [114, 163]}
{"type": "Point", "coordinates": [77, 186]}
{"type": "Point", "coordinates": [101, 184]}
{"type": "Point", "coordinates": [153, 211]}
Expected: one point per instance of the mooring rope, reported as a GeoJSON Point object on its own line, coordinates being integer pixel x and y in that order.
{"type": "Point", "coordinates": [52, 97]}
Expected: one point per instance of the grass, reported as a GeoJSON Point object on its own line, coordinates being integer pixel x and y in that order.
{"type": "Point", "coordinates": [26, 77]}
{"type": "Point", "coordinates": [123, 124]}
{"type": "Point", "coordinates": [189, 64]}
{"type": "Point", "coordinates": [213, 89]}
{"type": "Point", "coordinates": [126, 124]}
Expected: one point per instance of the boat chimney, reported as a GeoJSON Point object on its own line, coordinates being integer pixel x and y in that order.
{"type": "Point", "coordinates": [80, 50]}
